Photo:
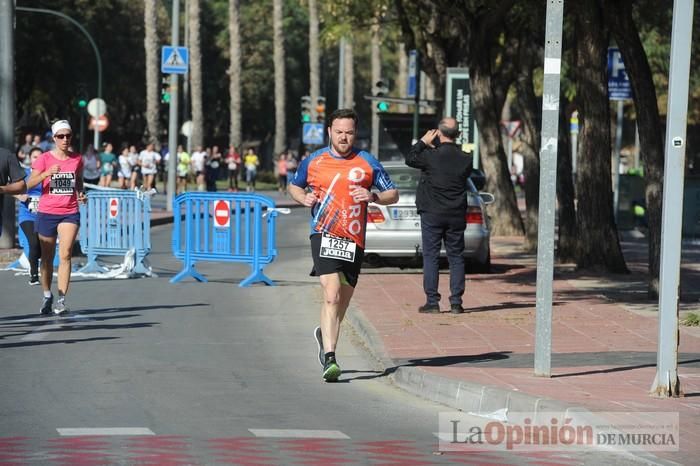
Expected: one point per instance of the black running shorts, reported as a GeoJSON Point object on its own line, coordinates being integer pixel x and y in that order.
{"type": "Point", "coordinates": [324, 266]}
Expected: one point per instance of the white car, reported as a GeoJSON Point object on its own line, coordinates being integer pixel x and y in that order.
{"type": "Point", "coordinates": [394, 233]}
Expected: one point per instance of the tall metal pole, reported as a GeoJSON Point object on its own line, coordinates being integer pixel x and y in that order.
{"type": "Point", "coordinates": [667, 383]}
{"type": "Point", "coordinates": [618, 156]}
{"type": "Point", "coordinates": [416, 97]}
{"type": "Point", "coordinates": [94, 48]}
{"type": "Point", "coordinates": [548, 187]}
{"type": "Point", "coordinates": [174, 97]}
{"type": "Point", "coordinates": [7, 111]}
{"type": "Point", "coordinates": [341, 73]}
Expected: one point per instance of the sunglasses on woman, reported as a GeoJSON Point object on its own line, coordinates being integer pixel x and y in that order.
{"type": "Point", "coordinates": [63, 136]}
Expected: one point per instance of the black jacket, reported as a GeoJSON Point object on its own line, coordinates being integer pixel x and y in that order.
{"type": "Point", "coordinates": [442, 188]}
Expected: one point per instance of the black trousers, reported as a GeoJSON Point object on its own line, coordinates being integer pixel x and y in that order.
{"type": "Point", "coordinates": [436, 229]}
{"type": "Point", "coordinates": [34, 246]}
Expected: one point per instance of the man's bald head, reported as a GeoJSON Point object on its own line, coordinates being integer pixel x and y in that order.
{"type": "Point", "coordinates": [449, 128]}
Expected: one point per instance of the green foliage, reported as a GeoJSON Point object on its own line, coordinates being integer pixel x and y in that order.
{"type": "Point", "coordinates": [691, 320]}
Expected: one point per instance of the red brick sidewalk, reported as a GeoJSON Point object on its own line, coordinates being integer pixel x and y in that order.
{"type": "Point", "coordinates": [604, 354]}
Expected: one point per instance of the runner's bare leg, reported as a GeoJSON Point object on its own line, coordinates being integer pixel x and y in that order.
{"type": "Point", "coordinates": [336, 299]}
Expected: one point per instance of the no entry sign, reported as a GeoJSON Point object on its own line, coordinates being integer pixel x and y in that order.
{"type": "Point", "coordinates": [113, 207]}
{"type": "Point", "coordinates": [222, 214]}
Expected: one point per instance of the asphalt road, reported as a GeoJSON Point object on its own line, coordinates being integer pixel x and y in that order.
{"type": "Point", "coordinates": [205, 373]}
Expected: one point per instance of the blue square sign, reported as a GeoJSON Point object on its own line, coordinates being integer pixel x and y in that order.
{"type": "Point", "coordinates": [174, 60]}
{"type": "Point", "coordinates": [313, 133]}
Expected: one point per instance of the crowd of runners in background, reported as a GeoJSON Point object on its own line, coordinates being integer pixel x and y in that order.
{"type": "Point", "coordinates": [131, 167]}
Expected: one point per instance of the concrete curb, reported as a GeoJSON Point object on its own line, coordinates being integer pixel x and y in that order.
{"type": "Point", "coordinates": [469, 397]}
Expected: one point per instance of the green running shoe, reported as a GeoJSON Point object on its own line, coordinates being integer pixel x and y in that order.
{"type": "Point", "coordinates": [331, 371]}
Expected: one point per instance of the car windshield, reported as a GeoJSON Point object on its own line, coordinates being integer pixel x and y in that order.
{"type": "Point", "coordinates": [404, 177]}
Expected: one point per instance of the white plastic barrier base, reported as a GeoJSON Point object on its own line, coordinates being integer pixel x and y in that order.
{"type": "Point", "coordinates": [126, 269]}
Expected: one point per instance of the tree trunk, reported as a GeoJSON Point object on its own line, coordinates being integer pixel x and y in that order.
{"type": "Point", "coordinates": [598, 240]}
{"type": "Point", "coordinates": [314, 58]}
{"type": "Point", "coordinates": [152, 73]}
{"type": "Point", "coordinates": [280, 72]}
{"type": "Point", "coordinates": [376, 72]}
{"type": "Point", "coordinates": [619, 17]}
{"type": "Point", "coordinates": [567, 240]}
{"type": "Point", "coordinates": [504, 211]}
{"type": "Point", "coordinates": [349, 83]}
{"type": "Point", "coordinates": [195, 73]}
{"type": "Point", "coordinates": [234, 72]}
{"type": "Point", "coordinates": [530, 148]}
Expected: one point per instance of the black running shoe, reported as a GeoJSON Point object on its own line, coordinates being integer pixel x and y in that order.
{"type": "Point", "coordinates": [34, 280]}
{"type": "Point", "coordinates": [46, 306]}
{"type": "Point", "coordinates": [319, 343]}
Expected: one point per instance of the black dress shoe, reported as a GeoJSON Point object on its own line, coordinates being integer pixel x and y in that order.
{"type": "Point", "coordinates": [429, 309]}
{"type": "Point", "coordinates": [456, 308]}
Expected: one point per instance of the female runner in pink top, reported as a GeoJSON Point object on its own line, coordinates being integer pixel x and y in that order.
{"type": "Point", "coordinates": [60, 172]}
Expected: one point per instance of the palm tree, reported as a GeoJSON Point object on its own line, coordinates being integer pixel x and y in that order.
{"type": "Point", "coordinates": [280, 97]}
{"type": "Point", "coordinates": [195, 75]}
{"type": "Point", "coordinates": [234, 32]}
{"type": "Point", "coordinates": [314, 58]}
{"type": "Point", "coordinates": [349, 75]}
{"type": "Point", "coordinates": [376, 71]}
{"type": "Point", "coordinates": [150, 44]}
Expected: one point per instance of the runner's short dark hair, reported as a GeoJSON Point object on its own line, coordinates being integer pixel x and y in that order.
{"type": "Point", "coordinates": [342, 113]}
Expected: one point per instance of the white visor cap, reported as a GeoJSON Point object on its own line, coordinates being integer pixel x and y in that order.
{"type": "Point", "coordinates": [59, 125]}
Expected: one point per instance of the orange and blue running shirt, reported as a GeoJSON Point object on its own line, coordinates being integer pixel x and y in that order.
{"type": "Point", "coordinates": [331, 179]}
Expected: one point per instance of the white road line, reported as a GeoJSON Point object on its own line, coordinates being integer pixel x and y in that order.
{"type": "Point", "coordinates": [299, 433]}
{"type": "Point", "coordinates": [71, 431]}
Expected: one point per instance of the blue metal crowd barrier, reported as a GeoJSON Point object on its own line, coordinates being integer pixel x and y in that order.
{"type": "Point", "coordinates": [224, 227]}
{"type": "Point", "coordinates": [113, 222]}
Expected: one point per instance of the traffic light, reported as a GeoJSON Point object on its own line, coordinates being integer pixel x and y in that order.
{"type": "Point", "coordinates": [381, 89]}
{"type": "Point", "coordinates": [81, 100]}
{"type": "Point", "coordinates": [165, 91]}
{"type": "Point", "coordinates": [306, 109]}
{"type": "Point", "coordinates": [321, 110]}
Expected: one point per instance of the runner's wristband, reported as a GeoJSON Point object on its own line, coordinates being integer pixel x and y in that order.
{"type": "Point", "coordinates": [375, 197]}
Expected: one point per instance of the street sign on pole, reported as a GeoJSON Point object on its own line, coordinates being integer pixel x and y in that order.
{"type": "Point", "coordinates": [619, 86]}
{"type": "Point", "coordinates": [96, 107]}
{"type": "Point", "coordinates": [458, 104]}
{"type": "Point", "coordinates": [312, 133]}
{"type": "Point", "coordinates": [99, 124]}
{"type": "Point", "coordinates": [174, 60]}
{"type": "Point", "coordinates": [411, 88]}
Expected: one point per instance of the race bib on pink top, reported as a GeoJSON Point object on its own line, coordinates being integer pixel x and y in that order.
{"type": "Point", "coordinates": [59, 195]}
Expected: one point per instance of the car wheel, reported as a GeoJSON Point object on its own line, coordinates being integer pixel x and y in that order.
{"type": "Point", "coordinates": [476, 266]}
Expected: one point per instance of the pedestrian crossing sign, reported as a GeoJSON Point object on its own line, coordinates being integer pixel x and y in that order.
{"type": "Point", "coordinates": [313, 133]}
{"type": "Point", "coordinates": [174, 60]}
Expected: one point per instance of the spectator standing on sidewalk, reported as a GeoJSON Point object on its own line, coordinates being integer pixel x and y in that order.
{"type": "Point", "coordinates": [107, 162]}
{"type": "Point", "coordinates": [198, 161]}
{"type": "Point", "coordinates": [149, 159]}
{"type": "Point", "coordinates": [233, 164]}
{"type": "Point", "coordinates": [91, 166]}
{"type": "Point", "coordinates": [282, 172]}
{"type": "Point", "coordinates": [441, 200]}
{"type": "Point", "coordinates": [335, 182]}
{"type": "Point", "coordinates": [60, 173]}
{"type": "Point", "coordinates": [251, 162]}
{"type": "Point", "coordinates": [11, 177]}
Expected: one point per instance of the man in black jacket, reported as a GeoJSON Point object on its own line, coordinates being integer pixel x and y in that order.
{"type": "Point", "coordinates": [441, 200]}
{"type": "Point", "coordinates": [11, 178]}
